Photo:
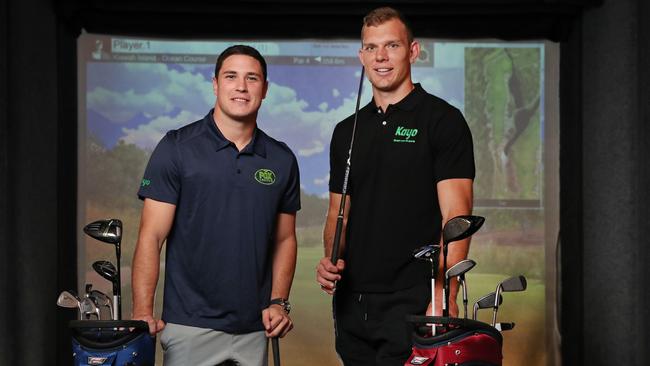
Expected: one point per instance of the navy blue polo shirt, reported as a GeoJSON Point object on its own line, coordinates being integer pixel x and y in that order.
{"type": "Point", "coordinates": [219, 251]}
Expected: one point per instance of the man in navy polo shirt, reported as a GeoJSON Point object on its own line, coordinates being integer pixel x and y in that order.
{"type": "Point", "coordinates": [412, 169]}
{"type": "Point", "coordinates": [224, 196]}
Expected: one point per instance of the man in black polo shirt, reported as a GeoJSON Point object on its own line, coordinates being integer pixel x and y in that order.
{"type": "Point", "coordinates": [412, 169]}
{"type": "Point", "coordinates": [224, 196]}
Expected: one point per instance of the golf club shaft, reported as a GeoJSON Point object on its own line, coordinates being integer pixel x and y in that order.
{"type": "Point", "coordinates": [275, 344]}
{"type": "Point", "coordinates": [339, 219]}
{"type": "Point", "coordinates": [464, 284]}
{"type": "Point", "coordinates": [118, 305]}
{"type": "Point", "coordinates": [433, 303]}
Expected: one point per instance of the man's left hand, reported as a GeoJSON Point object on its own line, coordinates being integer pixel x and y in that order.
{"type": "Point", "coordinates": [277, 322]}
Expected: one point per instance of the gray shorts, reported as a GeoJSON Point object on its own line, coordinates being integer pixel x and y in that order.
{"type": "Point", "coordinates": [184, 345]}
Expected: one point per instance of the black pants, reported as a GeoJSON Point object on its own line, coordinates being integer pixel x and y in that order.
{"type": "Point", "coordinates": [371, 327]}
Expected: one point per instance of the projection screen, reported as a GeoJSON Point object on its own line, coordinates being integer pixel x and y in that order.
{"type": "Point", "coordinates": [132, 90]}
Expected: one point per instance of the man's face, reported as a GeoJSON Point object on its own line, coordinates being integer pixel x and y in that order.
{"type": "Point", "coordinates": [387, 55]}
{"type": "Point", "coordinates": [240, 87]}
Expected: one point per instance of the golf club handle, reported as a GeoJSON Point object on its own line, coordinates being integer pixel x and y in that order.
{"type": "Point", "coordinates": [337, 240]}
{"type": "Point", "coordinates": [275, 345]}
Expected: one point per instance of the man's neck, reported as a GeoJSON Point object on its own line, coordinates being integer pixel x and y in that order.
{"type": "Point", "coordinates": [239, 132]}
{"type": "Point", "coordinates": [385, 98]}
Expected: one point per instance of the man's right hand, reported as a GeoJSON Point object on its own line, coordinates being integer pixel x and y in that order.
{"type": "Point", "coordinates": [155, 325]}
{"type": "Point", "coordinates": [327, 274]}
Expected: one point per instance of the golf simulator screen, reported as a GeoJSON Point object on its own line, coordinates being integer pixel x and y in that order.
{"type": "Point", "coordinates": [133, 90]}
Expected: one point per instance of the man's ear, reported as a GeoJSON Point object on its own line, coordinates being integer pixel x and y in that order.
{"type": "Point", "coordinates": [215, 85]}
{"type": "Point", "coordinates": [415, 51]}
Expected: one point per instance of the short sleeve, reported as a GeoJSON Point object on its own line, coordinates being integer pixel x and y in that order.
{"type": "Point", "coordinates": [161, 181]}
{"type": "Point", "coordinates": [291, 198]}
{"type": "Point", "coordinates": [453, 150]}
{"type": "Point", "coordinates": [338, 156]}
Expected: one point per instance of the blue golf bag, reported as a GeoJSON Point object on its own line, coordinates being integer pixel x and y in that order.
{"type": "Point", "coordinates": [112, 343]}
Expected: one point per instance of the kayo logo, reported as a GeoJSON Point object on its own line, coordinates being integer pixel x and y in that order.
{"type": "Point", "coordinates": [265, 176]}
{"type": "Point", "coordinates": [145, 182]}
{"type": "Point", "coordinates": [405, 134]}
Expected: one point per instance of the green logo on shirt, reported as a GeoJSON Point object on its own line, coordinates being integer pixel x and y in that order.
{"type": "Point", "coordinates": [265, 176]}
{"type": "Point", "coordinates": [405, 134]}
{"type": "Point", "coordinates": [145, 182]}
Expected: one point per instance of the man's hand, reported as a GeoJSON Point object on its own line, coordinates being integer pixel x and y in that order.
{"type": "Point", "coordinates": [277, 322]}
{"type": "Point", "coordinates": [155, 325]}
{"type": "Point", "coordinates": [327, 274]}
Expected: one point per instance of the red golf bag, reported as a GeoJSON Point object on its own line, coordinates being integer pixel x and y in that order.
{"type": "Point", "coordinates": [462, 342]}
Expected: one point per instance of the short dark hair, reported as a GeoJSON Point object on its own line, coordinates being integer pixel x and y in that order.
{"type": "Point", "coordinates": [382, 15]}
{"type": "Point", "coordinates": [239, 49]}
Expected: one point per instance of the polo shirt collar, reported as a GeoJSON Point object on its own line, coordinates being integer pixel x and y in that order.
{"type": "Point", "coordinates": [257, 144]}
{"type": "Point", "coordinates": [407, 103]}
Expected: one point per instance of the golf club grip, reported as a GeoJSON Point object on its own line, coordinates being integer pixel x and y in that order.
{"type": "Point", "coordinates": [337, 240]}
{"type": "Point", "coordinates": [275, 344]}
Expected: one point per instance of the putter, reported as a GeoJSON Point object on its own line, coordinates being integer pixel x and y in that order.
{"type": "Point", "coordinates": [107, 270]}
{"type": "Point", "coordinates": [502, 327]}
{"type": "Point", "coordinates": [110, 231]}
{"type": "Point", "coordinates": [457, 228]}
{"type": "Point", "coordinates": [485, 302]}
{"type": "Point", "coordinates": [68, 299]}
{"type": "Point", "coordinates": [512, 284]}
{"type": "Point", "coordinates": [102, 300]}
{"type": "Point", "coordinates": [430, 253]}
{"type": "Point", "coordinates": [458, 270]}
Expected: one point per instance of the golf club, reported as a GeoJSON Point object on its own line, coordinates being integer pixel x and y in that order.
{"type": "Point", "coordinates": [110, 231]}
{"type": "Point", "coordinates": [339, 219]}
{"type": "Point", "coordinates": [458, 270]}
{"type": "Point", "coordinates": [102, 300]}
{"type": "Point", "coordinates": [107, 270]}
{"type": "Point", "coordinates": [512, 284]}
{"type": "Point", "coordinates": [88, 308]}
{"type": "Point", "coordinates": [67, 299]}
{"type": "Point", "coordinates": [430, 253]}
{"type": "Point", "coordinates": [502, 327]}
{"type": "Point", "coordinates": [485, 302]}
{"type": "Point", "coordinates": [457, 228]}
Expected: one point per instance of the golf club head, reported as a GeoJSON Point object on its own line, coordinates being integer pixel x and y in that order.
{"type": "Point", "coordinates": [67, 299]}
{"type": "Point", "coordinates": [485, 302]}
{"type": "Point", "coordinates": [427, 252]}
{"type": "Point", "coordinates": [101, 300]}
{"type": "Point", "coordinates": [107, 270]}
{"type": "Point", "coordinates": [88, 308]}
{"type": "Point", "coordinates": [513, 284]}
{"type": "Point", "coordinates": [460, 268]}
{"type": "Point", "coordinates": [502, 327]}
{"type": "Point", "coordinates": [107, 231]}
{"type": "Point", "coordinates": [461, 227]}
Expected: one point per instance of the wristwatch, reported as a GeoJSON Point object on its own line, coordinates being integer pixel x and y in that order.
{"type": "Point", "coordinates": [286, 306]}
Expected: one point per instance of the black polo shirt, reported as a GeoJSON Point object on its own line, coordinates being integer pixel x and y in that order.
{"type": "Point", "coordinates": [397, 159]}
{"type": "Point", "coordinates": [219, 251]}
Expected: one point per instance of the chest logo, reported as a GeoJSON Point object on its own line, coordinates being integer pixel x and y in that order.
{"type": "Point", "coordinates": [405, 134]}
{"type": "Point", "coordinates": [265, 176]}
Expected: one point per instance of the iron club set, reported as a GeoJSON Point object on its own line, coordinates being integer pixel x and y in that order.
{"type": "Point", "coordinates": [457, 228]}
{"type": "Point", "coordinates": [110, 231]}
{"type": "Point", "coordinates": [512, 284]}
{"type": "Point", "coordinates": [107, 270]}
{"type": "Point", "coordinates": [458, 270]}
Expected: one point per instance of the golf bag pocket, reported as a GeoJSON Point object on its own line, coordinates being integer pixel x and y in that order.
{"type": "Point", "coordinates": [112, 343]}
{"type": "Point", "coordinates": [462, 342]}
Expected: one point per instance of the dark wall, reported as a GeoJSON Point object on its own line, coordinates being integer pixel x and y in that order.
{"type": "Point", "coordinates": [605, 94]}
